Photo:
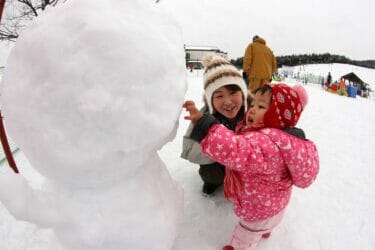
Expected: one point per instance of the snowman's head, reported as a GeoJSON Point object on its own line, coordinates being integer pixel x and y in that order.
{"type": "Point", "coordinates": [88, 99]}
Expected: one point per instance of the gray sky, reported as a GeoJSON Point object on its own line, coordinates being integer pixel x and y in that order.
{"type": "Point", "coordinates": [342, 27]}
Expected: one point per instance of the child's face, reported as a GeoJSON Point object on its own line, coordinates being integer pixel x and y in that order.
{"type": "Point", "coordinates": [227, 102]}
{"type": "Point", "coordinates": [258, 108]}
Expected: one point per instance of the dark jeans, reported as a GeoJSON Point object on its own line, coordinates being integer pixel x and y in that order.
{"type": "Point", "coordinates": [212, 174]}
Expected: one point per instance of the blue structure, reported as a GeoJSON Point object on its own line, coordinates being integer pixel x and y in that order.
{"type": "Point", "coordinates": [352, 91]}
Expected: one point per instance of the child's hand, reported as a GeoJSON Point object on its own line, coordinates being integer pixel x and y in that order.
{"type": "Point", "coordinates": [195, 114]}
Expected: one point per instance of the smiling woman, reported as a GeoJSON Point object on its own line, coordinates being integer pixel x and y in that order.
{"type": "Point", "coordinates": [226, 98]}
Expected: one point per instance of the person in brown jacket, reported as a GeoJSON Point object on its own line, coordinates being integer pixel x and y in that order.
{"type": "Point", "coordinates": [259, 63]}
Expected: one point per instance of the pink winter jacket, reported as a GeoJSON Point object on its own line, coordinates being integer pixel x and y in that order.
{"type": "Point", "coordinates": [267, 162]}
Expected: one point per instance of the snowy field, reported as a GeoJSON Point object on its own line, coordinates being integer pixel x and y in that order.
{"type": "Point", "coordinates": [336, 212]}
{"type": "Point", "coordinates": [337, 70]}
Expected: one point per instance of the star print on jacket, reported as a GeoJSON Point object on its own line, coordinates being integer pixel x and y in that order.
{"type": "Point", "coordinates": [266, 163]}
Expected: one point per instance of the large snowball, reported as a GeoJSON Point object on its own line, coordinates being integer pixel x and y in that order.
{"type": "Point", "coordinates": [91, 91]}
{"type": "Point", "coordinates": [93, 87]}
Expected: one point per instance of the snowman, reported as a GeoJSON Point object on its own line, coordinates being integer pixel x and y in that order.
{"type": "Point", "coordinates": [91, 91]}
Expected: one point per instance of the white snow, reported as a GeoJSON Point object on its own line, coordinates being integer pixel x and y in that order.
{"type": "Point", "coordinates": [89, 102]}
{"type": "Point", "coordinates": [337, 70]}
{"type": "Point", "coordinates": [90, 113]}
{"type": "Point", "coordinates": [336, 212]}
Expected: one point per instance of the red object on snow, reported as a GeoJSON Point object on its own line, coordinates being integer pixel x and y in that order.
{"type": "Point", "coordinates": [2, 4]}
{"type": "Point", "coordinates": [266, 235]}
{"type": "Point", "coordinates": [5, 143]}
{"type": "Point", "coordinates": [228, 247]}
{"type": "Point", "coordinates": [3, 136]}
{"type": "Point", "coordinates": [334, 87]}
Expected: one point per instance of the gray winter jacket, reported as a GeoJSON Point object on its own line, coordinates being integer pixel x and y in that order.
{"type": "Point", "coordinates": [192, 151]}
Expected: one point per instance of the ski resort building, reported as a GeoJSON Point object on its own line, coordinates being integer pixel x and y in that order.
{"type": "Point", "coordinates": [195, 54]}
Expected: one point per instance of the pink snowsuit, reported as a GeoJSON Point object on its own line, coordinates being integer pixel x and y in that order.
{"type": "Point", "coordinates": [266, 163]}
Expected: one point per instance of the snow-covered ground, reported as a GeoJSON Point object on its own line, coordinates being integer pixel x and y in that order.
{"type": "Point", "coordinates": [336, 212]}
{"type": "Point", "coordinates": [337, 70]}
{"type": "Point", "coordinates": [314, 73]}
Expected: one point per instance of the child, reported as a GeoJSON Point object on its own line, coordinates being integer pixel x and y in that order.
{"type": "Point", "coordinates": [262, 161]}
{"type": "Point", "coordinates": [225, 95]}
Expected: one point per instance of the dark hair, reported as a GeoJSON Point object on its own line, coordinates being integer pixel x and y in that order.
{"type": "Point", "coordinates": [233, 87]}
{"type": "Point", "coordinates": [255, 37]}
{"type": "Point", "coordinates": [263, 89]}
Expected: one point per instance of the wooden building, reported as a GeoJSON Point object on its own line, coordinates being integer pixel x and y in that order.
{"type": "Point", "coordinates": [362, 87]}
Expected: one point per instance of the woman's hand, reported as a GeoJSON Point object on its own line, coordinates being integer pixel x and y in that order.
{"type": "Point", "coordinates": [195, 114]}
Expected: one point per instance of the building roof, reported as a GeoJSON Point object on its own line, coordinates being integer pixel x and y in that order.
{"type": "Point", "coordinates": [353, 78]}
{"type": "Point", "coordinates": [204, 48]}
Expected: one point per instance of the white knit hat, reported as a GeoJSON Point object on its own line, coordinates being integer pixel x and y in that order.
{"type": "Point", "coordinates": [218, 73]}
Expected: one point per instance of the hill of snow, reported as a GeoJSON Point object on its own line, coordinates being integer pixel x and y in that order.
{"type": "Point", "coordinates": [337, 70]}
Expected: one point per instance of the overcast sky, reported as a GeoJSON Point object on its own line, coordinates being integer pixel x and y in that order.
{"type": "Point", "coordinates": [342, 27]}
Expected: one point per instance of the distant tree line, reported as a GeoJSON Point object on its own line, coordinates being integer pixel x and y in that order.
{"type": "Point", "coordinates": [293, 60]}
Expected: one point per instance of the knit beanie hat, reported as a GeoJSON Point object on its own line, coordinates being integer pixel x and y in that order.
{"type": "Point", "coordinates": [218, 73]}
{"type": "Point", "coordinates": [286, 107]}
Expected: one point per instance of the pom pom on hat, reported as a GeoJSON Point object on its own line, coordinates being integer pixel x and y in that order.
{"type": "Point", "coordinates": [302, 94]}
{"type": "Point", "coordinates": [287, 104]}
{"type": "Point", "coordinates": [207, 60]}
{"type": "Point", "coordinates": [220, 72]}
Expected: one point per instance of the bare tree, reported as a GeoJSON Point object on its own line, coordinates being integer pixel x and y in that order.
{"type": "Point", "coordinates": [18, 13]}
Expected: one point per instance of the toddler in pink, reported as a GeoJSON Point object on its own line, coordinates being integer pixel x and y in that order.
{"type": "Point", "coordinates": [264, 158]}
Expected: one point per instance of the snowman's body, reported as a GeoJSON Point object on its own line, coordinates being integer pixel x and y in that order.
{"type": "Point", "coordinates": [90, 105]}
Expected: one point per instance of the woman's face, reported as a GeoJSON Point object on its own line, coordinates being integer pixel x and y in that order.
{"type": "Point", "coordinates": [227, 102]}
{"type": "Point", "coordinates": [258, 108]}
